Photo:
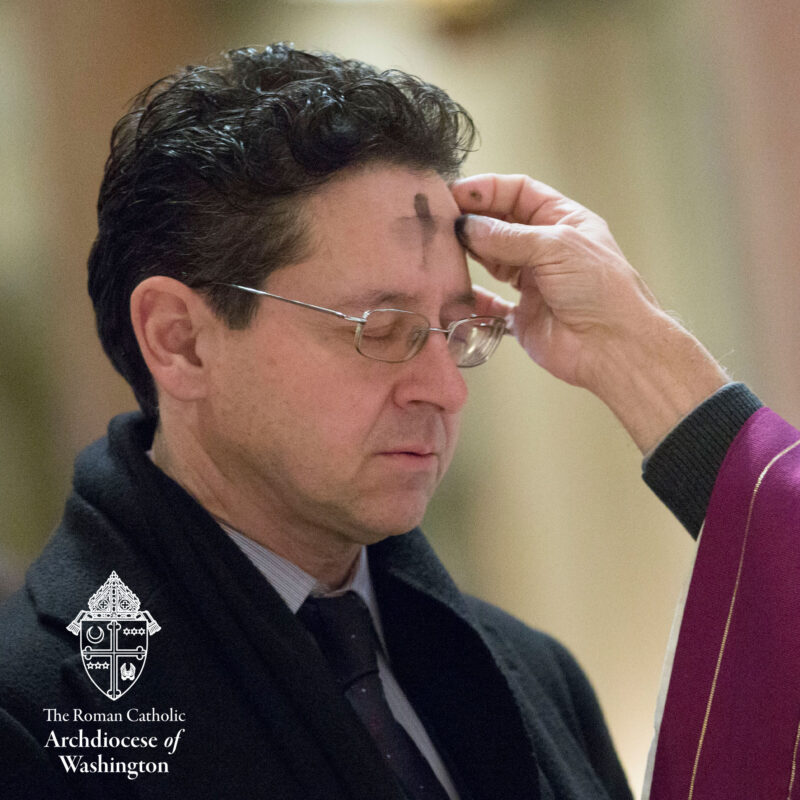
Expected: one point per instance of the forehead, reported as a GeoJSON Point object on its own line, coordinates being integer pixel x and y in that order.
{"type": "Point", "coordinates": [383, 229]}
{"type": "Point", "coordinates": [384, 190]}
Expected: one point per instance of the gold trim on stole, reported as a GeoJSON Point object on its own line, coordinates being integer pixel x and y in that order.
{"type": "Point", "coordinates": [794, 764]}
{"type": "Point", "coordinates": [728, 625]}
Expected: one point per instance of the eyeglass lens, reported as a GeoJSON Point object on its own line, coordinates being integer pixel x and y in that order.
{"type": "Point", "coordinates": [472, 341]}
{"type": "Point", "coordinates": [394, 335]}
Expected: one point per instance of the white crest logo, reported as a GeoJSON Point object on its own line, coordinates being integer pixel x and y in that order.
{"type": "Point", "coordinates": [114, 637]}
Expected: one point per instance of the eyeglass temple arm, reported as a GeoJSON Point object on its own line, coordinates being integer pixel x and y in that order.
{"type": "Point", "coordinates": [324, 310]}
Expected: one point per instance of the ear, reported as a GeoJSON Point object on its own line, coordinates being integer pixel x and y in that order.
{"type": "Point", "coordinates": [171, 323]}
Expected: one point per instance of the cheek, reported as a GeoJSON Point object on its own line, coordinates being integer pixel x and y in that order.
{"type": "Point", "coordinates": [313, 394]}
{"type": "Point", "coordinates": [331, 407]}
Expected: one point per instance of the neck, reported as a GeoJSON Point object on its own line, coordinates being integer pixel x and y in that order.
{"type": "Point", "coordinates": [328, 557]}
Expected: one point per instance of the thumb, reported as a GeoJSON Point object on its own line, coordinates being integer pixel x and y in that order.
{"type": "Point", "coordinates": [494, 241]}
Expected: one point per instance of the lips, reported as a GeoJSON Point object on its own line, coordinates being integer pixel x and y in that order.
{"type": "Point", "coordinates": [413, 450]}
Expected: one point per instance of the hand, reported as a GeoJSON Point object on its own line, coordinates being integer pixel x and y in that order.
{"type": "Point", "coordinates": [584, 313]}
{"type": "Point", "coordinates": [577, 289]}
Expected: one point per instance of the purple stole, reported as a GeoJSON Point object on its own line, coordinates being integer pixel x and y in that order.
{"type": "Point", "coordinates": [731, 722]}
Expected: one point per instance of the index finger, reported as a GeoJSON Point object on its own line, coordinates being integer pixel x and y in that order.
{"type": "Point", "coordinates": [516, 198]}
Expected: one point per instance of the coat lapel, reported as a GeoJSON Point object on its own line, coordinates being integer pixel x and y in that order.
{"type": "Point", "coordinates": [449, 673]}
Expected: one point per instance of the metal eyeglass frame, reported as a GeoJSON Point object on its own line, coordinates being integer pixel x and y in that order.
{"type": "Point", "coordinates": [360, 321]}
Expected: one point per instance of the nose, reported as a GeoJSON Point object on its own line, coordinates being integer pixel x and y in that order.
{"type": "Point", "coordinates": [432, 377]}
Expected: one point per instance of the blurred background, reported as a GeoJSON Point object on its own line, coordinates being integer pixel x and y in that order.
{"type": "Point", "coordinates": [677, 121]}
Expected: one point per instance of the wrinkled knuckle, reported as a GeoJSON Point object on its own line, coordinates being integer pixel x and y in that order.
{"type": "Point", "coordinates": [499, 228]}
{"type": "Point", "coordinates": [523, 244]}
{"type": "Point", "coordinates": [568, 235]}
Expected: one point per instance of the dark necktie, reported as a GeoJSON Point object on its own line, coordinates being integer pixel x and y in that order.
{"type": "Point", "coordinates": [343, 629]}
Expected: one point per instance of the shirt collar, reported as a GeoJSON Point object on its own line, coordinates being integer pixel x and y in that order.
{"type": "Point", "coordinates": [295, 585]}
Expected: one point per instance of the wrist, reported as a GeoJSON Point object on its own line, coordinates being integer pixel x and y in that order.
{"type": "Point", "coordinates": [653, 377]}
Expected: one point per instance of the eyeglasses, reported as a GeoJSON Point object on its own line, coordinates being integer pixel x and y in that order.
{"type": "Point", "coordinates": [395, 335]}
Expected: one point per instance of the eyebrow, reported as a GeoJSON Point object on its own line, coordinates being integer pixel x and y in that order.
{"type": "Point", "coordinates": [382, 298]}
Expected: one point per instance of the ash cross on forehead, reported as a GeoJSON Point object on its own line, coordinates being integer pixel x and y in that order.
{"type": "Point", "coordinates": [426, 221]}
{"type": "Point", "coordinates": [422, 224]}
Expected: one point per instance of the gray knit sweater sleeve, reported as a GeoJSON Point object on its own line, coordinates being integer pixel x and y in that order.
{"type": "Point", "coordinates": [683, 468]}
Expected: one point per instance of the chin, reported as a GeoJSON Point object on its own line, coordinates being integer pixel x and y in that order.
{"type": "Point", "coordinates": [389, 515]}
{"type": "Point", "coordinates": [377, 530]}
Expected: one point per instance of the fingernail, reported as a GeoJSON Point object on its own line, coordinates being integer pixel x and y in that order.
{"type": "Point", "coordinates": [470, 227]}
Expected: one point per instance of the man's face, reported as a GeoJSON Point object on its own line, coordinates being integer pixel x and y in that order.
{"type": "Point", "coordinates": [325, 438]}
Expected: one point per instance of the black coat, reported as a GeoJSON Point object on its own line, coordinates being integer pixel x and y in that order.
{"type": "Point", "coordinates": [507, 707]}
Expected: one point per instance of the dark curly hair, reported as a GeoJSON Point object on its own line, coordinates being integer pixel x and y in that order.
{"type": "Point", "coordinates": [209, 169]}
